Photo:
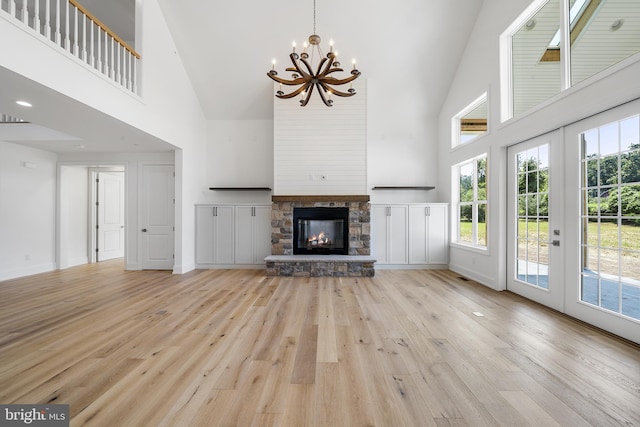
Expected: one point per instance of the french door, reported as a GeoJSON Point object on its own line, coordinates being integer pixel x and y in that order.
{"type": "Point", "coordinates": [603, 268]}
{"type": "Point", "coordinates": [535, 220]}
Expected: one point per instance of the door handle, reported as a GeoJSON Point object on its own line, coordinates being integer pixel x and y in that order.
{"type": "Point", "coordinates": [144, 230]}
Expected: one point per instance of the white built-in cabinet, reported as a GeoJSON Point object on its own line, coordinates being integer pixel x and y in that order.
{"type": "Point", "coordinates": [389, 228]}
{"type": "Point", "coordinates": [227, 235]}
{"type": "Point", "coordinates": [252, 234]}
{"type": "Point", "coordinates": [428, 236]}
{"type": "Point", "coordinates": [410, 234]}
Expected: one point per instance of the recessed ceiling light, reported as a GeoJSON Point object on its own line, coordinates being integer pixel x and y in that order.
{"type": "Point", "coordinates": [617, 24]}
{"type": "Point", "coordinates": [24, 103]}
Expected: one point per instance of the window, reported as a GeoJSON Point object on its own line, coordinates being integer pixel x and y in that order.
{"type": "Point", "coordinates": [471, 201]}
{"type": "Point", "coordinates": [533, 215]}
{"type": "Point", "coordinates": [471, 122]}
{"type": "Point", "coordinates": [537, 64]}
{"type": "Point", "coordinates": [610, 219]}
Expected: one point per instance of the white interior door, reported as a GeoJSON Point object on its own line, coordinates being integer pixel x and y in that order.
{"type": "Point", "coordinates": [110, 228]}
{"type": "Point", "coordinates": [157, 223]}
{"type": "Point", "coordinates": [603, 207]}
{"type": "Point", "coordinates": [535, 218]}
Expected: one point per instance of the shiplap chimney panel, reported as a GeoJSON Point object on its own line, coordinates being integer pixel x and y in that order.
{"type": "Point", "coordinates": [320, 150]}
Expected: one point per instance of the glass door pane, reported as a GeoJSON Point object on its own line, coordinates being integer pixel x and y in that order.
{"type": "Point", "coordinates": [610, 217]}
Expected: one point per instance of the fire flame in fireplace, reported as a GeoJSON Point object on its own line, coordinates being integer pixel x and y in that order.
{"type": "Point", "coordinates": [320, 239]}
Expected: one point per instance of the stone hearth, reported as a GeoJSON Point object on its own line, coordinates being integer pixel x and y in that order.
{"type": "Point", "coordinates": [282, 262]}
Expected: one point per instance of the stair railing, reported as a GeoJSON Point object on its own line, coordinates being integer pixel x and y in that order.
{"type": "Point", "coordinates": [70, 26]}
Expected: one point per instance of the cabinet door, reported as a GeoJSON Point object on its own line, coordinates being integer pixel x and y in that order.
{"type": "Point", "coordinates": [418, 245]}
{"type": "Point", "coordinates": [438, 235]}
{"type": "Point", "coordinates": [252, 234]}
{"type": "Point", "coordinates": [379, 233]}
{"type": "Point", "coordinates": [398, 234]}
{"type": "Point", "coordinates": [244, 235]}
{"type": "Point", "coordinates": [262, 235]}
{"type": "Point", "coordinates": [223, 234]}
{"type": "Point", "coordinates": [204, 235]}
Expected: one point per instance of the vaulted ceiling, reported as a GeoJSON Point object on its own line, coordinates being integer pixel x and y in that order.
{"type": "Point", "coordinates": [409, 48]}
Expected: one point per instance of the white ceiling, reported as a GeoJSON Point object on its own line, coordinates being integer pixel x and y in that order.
{"type": "Point", "coordinates": [410, 50]}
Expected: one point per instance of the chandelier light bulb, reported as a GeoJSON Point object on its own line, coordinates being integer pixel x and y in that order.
{"type": "Point", "coordinates": [331, 45]}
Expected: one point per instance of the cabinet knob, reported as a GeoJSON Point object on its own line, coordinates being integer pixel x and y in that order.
{"type": "Point", "coordinates": [144, 230]}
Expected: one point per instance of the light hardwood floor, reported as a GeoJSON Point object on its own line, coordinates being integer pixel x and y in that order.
{"type": "Point", "coordinates": [233, 347]}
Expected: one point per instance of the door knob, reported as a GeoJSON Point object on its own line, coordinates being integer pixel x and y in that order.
{"type": "Point", "coordinates": [144, 230]}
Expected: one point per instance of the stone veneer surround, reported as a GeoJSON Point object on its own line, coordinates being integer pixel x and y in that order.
{"type": "Point", "coordinates": [282, 262]}
{"type": "Point", "coordinates": [282, 220]}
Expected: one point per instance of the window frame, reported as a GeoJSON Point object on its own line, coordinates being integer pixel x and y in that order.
{"type": "Point", "coordinates": [475, 203]}
{"type": "Point", "coordinates": [456, 127]}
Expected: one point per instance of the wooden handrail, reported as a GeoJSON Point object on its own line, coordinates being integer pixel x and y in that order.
{"type": "Point", "coordinates": [104, 27]}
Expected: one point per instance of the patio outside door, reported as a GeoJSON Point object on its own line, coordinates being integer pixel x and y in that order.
{"type": "Point", "coordinates": [603, 271]}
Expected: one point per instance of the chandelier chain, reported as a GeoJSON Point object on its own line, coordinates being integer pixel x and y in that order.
{"type": "Point", "coordinates": [314, 17]}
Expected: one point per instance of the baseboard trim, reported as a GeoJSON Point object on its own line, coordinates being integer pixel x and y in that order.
{"type": "Point", "coordinates": [28, 271]}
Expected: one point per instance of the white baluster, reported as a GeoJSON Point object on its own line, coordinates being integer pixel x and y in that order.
{"type": "Point", "coordinates": [76, 49]}
{"type": "Point", "coordinates": [106, 54]}
{"type": "Point", "coordinates": [67, 43]}
{"type": "Point", "coordinates": [116, 47]}
{"type": "Point", "coordinates": [112, 59]}
{"type": "Point", "coordinates": [57, 38]}
{"type": "Point", "coordinates": [47, 19]}
{"type": "Point", "coordinates": [99, 55]}
{"type": "Point", "coordinates": [84, 37]}
{"type": "Point", "coordinates": [76, 33]}
{"type": "Point", "coordinates": [36, 17]}
{"type": "Point", "coordinates": [92, 48]}
{"type": "Point", "coordinates": [134, 75]}
{"type": "Point", "coordinates": [25, 15]}
{"type": "Point", "coordinates": [12, 8]}
{"type": "Point", "coordinates": [125, 72]}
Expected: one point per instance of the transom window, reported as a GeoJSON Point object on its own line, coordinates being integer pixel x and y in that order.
{"type": "Point", "coordinates": [471, 122]}
{"type": "Point", "coordinates": [537, 64]}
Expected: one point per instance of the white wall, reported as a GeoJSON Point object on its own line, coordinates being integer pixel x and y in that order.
{"type": "Point", "coordinates": [27, 210]}
{"type": "Point", "coordinates": [479, 72]}
{"type": "Point", "coordinates": [74, 216]}
{"type": "Point", "coordinates": [132, 163]}
{"type": "Point", "coordinates": [401, 150]}
{"type": "Point", "coordinates": [321, 150]}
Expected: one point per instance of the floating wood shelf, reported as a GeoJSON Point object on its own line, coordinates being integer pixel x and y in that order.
{"type": "Point", "coordinates": [240, 188]}
{"type": "Point", "coordinates": [405, 188]}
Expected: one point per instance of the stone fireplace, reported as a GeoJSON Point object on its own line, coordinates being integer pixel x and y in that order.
{"type": "Point", "coordinates": [292, 216]}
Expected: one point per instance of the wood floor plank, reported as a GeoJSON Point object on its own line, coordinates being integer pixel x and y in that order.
{"type": "Point", "coordinates": [235, 347]}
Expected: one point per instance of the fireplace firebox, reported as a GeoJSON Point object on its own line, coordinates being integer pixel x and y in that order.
{"type": "Point", "coordinates": [321, 230]}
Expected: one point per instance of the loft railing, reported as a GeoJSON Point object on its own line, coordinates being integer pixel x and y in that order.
{"type": "Point", "coordinates": [5, 118]}
{"type": "Point", "coordinates": [74, 29]}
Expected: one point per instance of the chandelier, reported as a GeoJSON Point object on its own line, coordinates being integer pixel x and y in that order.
{"type": "Point", "coordinates": [304, 76]}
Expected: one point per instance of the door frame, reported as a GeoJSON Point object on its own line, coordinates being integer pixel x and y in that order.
{"type": "Point", "coordinates": [93, 211]}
